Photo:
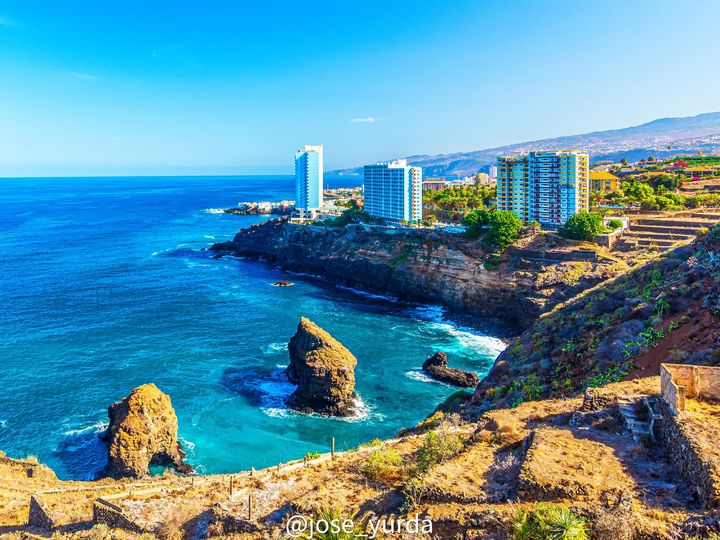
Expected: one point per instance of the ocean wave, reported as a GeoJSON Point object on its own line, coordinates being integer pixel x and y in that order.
{"type": "Point", "coordinates": [278, 346]}
{"type": "Point", "coordinates": [366, 294]}
{"type": "Point", "coordinates": [362, 413]}
{"type": "Point", "coordinates": [208, 237]}
{"type": "Point", "coordinates": [3, 423]}
{"type": "Point", "coordinates": [417, 375]}
{"type": "Point", "coordinates": [214, 210]}
{"type": "Point", "coordinates": [97, 427]}
{"type": "Point", "coordinates": [466, 337]}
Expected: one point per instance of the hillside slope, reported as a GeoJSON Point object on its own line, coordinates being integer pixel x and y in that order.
{"type": "Point", "coordinates": [665, 137]}
{"type": "Point", "coordinates": [665, 311]}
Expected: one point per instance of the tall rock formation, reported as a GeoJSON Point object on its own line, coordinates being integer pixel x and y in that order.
{"type": "Point", "coordinates": [143, 431]}
{"type": "Point", "coordinates": [323, 370]}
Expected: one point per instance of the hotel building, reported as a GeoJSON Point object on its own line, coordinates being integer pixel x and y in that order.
{"type": "Point", "coordinates": [544, 186]}
{"type": "Point", "coordinates": [393, 191]}
{"type": "Point", "coordinates": [309, 180]}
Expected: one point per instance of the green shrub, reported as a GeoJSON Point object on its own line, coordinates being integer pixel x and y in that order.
{"type": "Point", "coordinates": [582, 226]}
{"type": "Point", "coordinates": [614, 223]}
{"type": "Point", "coordinates": [413, 491]}
{"type": "Point", "coordinates": [548, 522]}
{"type": "Point", "coordinates": [437, 448]}
{"type": "Point", "coordinates": [384, 465]}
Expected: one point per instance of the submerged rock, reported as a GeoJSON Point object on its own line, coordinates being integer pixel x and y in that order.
{"type": "Point", "coordinates": [283, 283]}
{"type": "Point", "coordinates": [323, 370]}
{"type": "Point", "coordinates": [143, 431]}
{"type": "Point", "coordinates": [436, 366]}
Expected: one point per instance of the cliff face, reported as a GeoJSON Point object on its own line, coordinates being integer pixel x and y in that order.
{"type": "Point", "coordinates": [416, 265]}
{"type": "Point", "coordinates": [667, 310]}
{"type": "Point", "coordinates": [143, 431]}
{"type": "Point", "coordinates": [324, 371]}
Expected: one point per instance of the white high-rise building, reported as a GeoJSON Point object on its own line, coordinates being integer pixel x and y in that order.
{"type": "Point", "coordinates": [393, 191]}
{"type": "Point", "coordinates": [309, 179]}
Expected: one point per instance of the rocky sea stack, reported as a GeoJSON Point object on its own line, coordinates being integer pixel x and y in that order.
{"type": "Point", "coordinates": [323, 370]}
{"type": "Point", "coordinates": [143, 431]}
{"type": "Point", "coordinates": [436, 366]}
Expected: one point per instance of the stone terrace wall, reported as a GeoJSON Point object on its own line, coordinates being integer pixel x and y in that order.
{"type": "Point", "coordinates": [700, 473]}
{"type": "Point", "coordinates": [39, 517]}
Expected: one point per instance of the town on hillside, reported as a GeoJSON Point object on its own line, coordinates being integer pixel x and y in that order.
{"type": "Point", "coordinates": [526, 198]}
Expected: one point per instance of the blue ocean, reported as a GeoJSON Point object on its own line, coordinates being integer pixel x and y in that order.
{"type": "Point", "coordinates": [105, 286]}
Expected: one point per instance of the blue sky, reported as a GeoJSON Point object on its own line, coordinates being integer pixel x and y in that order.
{"type": "Point", "coordinates": [171, 87]}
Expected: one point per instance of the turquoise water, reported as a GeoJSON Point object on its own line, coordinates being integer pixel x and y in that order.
{"type": "Point", "coordinates": [104, 287]}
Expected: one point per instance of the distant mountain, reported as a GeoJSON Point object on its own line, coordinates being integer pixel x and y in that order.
{"type": "Point", "coordinates": [665, 137]}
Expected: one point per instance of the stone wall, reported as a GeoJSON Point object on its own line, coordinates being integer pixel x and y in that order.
{"type": "Point", "coordinates": [679, 382]}
{"type": "Point", "coordinates": [112, 516]}
{"type": "Point", "coordinates": [685, 453]}
{"type": "Point", "coordinates": [39, 516]}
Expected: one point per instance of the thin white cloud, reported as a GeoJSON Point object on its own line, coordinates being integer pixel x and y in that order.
{"type": "Point", "coordinates": [366, 120]}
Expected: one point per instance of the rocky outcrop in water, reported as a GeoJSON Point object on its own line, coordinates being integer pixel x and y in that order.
{"type": "Point", "coordinates": [437, 367]}
{"type": "Point", "coordinates": [323, 370]}
{"type": "Point", "coordinates": [143, 431]}
{"type": "Point", "coordinates": [418, 265]}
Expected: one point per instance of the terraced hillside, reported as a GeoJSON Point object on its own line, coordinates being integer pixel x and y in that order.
{"type": "Point", "coordinates": [665, 310]}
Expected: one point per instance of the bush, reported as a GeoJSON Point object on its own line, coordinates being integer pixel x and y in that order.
{"type": "Point", "coordinates": [548, 522]}
{"type": "Point", "coordinates": [582, 226]}
{"type": "Point", "coordinates": [614, 224]}
{"type": "Point", "coordinates": [384, 465]}
{"type": "Point", "coordinates": [437, 449]}
{"type": "Point", "coordinates": [413, 491]}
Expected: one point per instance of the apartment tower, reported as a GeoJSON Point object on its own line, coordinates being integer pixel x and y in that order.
{"type": "Point", "coordinates": [393, 191]}
{"type": "Point", "coordinates": [309, 180]}
{"type": "Point", "coordinates": [544, 186]}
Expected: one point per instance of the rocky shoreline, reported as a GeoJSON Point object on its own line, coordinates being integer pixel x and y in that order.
{"type": "Point", "coordinates": [418, 265]}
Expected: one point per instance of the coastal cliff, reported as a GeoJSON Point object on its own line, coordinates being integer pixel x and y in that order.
{"type": "Point", "coordinates": [420, 265]}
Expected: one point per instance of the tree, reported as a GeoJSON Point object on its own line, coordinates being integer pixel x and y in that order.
{"type": "Point", "coordinates": [505, 228]}
{"type": "Point", "coordinates": [582, 226]}
{"type": "Point", "coordinates": [623, 162]}
{"type": "Point", "coordinates": [475, 221]}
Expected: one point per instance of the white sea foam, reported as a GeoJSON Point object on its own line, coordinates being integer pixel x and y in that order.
{"type": "Point", "coordinates": [208, 237]}
{"type": "Point", "coordinates": [3, 423]}
{"type": "Point", "coordinates": [367, 294]}
{"type": "Point", "coordinates": [417, 375]}
{"type": "Point", "coordinates": [214, 210]}
{"type": "Point", "coordinates": [276, 347]}
{"type": "Point", "coordinates": [467, 337]}
{"type": "Point", "coordinates": [97, 427]}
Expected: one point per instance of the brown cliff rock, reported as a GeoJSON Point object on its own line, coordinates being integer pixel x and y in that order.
{"type": "Point", "coordinates": [143, 431]}
{"type": "Point", "coordinates": [436, 366]}
{"type": "Point", "coordinates": [323, 370]}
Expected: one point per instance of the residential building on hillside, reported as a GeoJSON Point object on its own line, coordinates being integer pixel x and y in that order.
{"type": "Point", "coordinates": [309, 180]}
{"type": "Point", "coordinates": [604, 182]}
{"type": "Point", "coordinates": [545, 186]}
{"type": "Point", "coordinates": [434, 184]}
{"type": "Point", "coordinates": [393, 191]}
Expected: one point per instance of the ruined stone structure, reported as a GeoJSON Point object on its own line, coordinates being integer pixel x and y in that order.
{"type": "Point", "coordinates": [679, 382]}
